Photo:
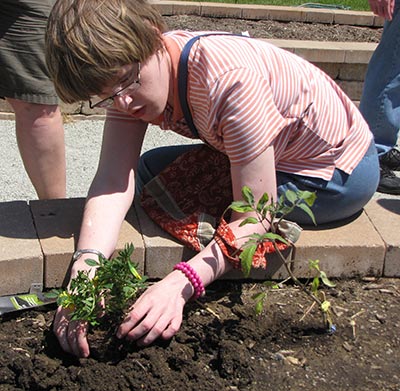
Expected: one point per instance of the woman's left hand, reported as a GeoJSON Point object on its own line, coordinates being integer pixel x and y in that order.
{"type": "Point", "coordinates": [158, 312]}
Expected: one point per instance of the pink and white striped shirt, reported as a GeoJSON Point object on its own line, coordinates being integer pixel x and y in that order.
{"type": "Point", "coordinates": [246, 94]}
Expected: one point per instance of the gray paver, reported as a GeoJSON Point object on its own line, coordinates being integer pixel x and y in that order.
{"type": "Point", "coordinates": [345, 250]}
{"type": "Point", "coordinates": [385, 216]}
{"type": "Point", "coordinates": [58, 223]}
{"type": "Point", "coordinates": [21, 258]}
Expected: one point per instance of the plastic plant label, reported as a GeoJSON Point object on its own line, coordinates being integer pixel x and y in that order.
{"type": "Point", "coordinates": [21, 302]}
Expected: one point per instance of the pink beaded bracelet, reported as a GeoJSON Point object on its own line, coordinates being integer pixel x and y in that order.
{"type": "Point", "coordinates": [193, 278]}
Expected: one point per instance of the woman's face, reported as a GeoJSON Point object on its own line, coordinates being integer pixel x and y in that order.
{"type": "Point", "coordinates": [141, 90]}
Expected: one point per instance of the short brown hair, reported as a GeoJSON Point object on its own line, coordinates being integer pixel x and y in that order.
{"type": "Point", "coordinates": [87, 42]}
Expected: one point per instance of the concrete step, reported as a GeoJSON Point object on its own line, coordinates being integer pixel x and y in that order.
{"type": "Point", "coordinates": [37, 240]}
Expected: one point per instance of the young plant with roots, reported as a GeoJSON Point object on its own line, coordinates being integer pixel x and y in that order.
{"type": "Point", "coordinates": [109, 294]}
{"type": "Point", "coordinates": [271, 215]}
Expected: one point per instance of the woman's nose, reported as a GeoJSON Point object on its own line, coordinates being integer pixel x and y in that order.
{"type": "Point", "coordinates": [122, 102]}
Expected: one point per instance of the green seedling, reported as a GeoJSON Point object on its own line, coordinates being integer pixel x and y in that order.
{"type": "Point", "coordinates": [270, 214]}
{"type": "Point", "coordinates": [115, 285]}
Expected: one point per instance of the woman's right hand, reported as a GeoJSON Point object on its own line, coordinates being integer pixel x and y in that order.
{"type": "Point", "coordinates": [71, 334]}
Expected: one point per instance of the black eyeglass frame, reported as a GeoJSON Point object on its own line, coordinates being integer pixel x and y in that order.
{"type": "Point", "coordinates": [109, 101]}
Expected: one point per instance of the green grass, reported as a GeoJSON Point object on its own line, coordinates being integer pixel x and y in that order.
{"type": "Point", "coordinates": [356, 5]}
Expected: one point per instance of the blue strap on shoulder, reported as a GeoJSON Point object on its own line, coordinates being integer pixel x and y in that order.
{"type": "Point", "coordinates": [183, 77]}
{"type": "Point", "coordinates": [182, 84]}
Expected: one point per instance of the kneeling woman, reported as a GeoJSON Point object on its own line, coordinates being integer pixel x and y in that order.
{"type": "Point", "coordinates": [281, 122]}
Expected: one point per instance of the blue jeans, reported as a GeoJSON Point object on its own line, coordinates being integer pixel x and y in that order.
{"type": "Point", "coordinates": [380, 100]}
{"type": "Point", "coordinates": [341, 197]}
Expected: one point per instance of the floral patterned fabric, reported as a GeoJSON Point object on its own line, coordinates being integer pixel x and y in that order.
{"type": "Point", "coordinates": [188, 200]}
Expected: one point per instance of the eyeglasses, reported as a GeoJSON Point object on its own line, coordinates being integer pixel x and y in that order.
{"type": "Point", "coordinates": [108, 102]}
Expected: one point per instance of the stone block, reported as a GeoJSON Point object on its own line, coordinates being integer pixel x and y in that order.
{"type": "Point", "coordinates": [164, 7]}
{"type": "Point", "coordinates": [318, 15]}
{"type": "Point", "coordinates": [5, 107]}
{"type": "Point", "coordinates": [130, 233]}
{"type": "Point", "coordinates": [7, 116]}
{"type": "Point", "coordinates": [275, 270]}
{"type": "Point", "coordinates": [331, 69]}
{"type": "Point", "coordinates": [320, 52]}
{"type": "Point", "coordinates": [187, 8]}
{"type": "Point", "coordinates": [255, 12]}
{"type": "Point", "coordinates": [162, 250]}
{"type": "Point", "coordinates": [21, 258]}
{"type": "Point", "coordinates": [221, 10]}
{"type": "Point", "coordinates": [379, 21]}
{"type": "Point", "coordinates": [353, 89]}
{"type": "Point", "coordinates": [58, 224]}
{"type": "Point", "coordinates": [384, 214]}
{"type": "Point", "coordinates": [352, 72]}
{"type": "Point", "coordinates": [358, 52]}
{"type": "Point", "coordinates": [86, 110]}
{"type": "Point", "coordinates": [287, 14]}
{"type": "Point", "coordinates": [71, 108]}
{"type": "Point", "coordinates": [351, 248]}
{"type": "Point", "coordinates": [355, 18]}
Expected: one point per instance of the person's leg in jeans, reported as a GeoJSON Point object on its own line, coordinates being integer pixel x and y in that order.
{"type": "Point", "coordinates": [380, 102]}
{"type": "Point", "coordinates": [342, 197]}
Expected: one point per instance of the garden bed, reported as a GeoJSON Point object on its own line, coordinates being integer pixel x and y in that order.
{"type": "Point", "coordinates": [223, 345]}
{"type": "Point", "coordinates": [276, 30]}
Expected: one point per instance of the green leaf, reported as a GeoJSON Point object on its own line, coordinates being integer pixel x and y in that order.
{"type": "Point", "coordinates": [247, 195]}
{"type": "Point", "coordinates": [325, 306]}
{"type": "Point", "coordinates": [315, 284]}
{"type": "Point", "coordinates": [241, 207]}
{"type": "Point", "coordinates": [314, 264]}
{"type": "Point", "coordinates": [259, 299]}
{"type": "Point", "coordinates": [262, 201]}
{"type": "Point", "coordinates": [133, 271]}
{"type": "Point", "coordinates": [258, 296]}
{"type": "Point", "coordinates": [307, 196]}
{"type": "Point", "coordinates": [91, 262]}
{"type": "Point", "coordinates": [326, 280]}
{"type": "Point", "coordinates": [248, 220]}
{"type": "Point", "coordinates": [259, 306]}
{"type": "Point", "coordinates": [273, 237]}
{"type": "Point", "coordinates": [307, 209]}
{"type": "Point", "coordinates": [285, 210]}
{"type": "Point", "coordinates": [53, 294]}
{"type": "Point", "coordinates": [291, 196]}
{"type": "Point", "coordinates": [246, 258]}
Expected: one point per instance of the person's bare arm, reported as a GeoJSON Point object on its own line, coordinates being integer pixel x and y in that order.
{"type": "Point", "coordinates": [382, 8]}
{"type": "Point", "coordinates": [158, 312]}
{"type": "Point", "coordinates": [110, 196]}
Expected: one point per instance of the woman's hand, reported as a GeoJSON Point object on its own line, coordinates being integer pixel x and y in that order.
{"type": "Point", "coordinates": [71, 334]}
{"type": "Point", "coordinates": [158, 312]}
{"type": "Point", "coordinates": [382, 8]}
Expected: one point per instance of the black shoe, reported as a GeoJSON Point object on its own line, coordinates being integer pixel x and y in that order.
{"type": "Point", "coordinates": [391, 159]}
{"type": "Point", "coordinates": [389, 183]}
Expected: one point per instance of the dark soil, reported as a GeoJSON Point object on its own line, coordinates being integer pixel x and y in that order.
{"type": "Point", "coordinates": [277, 30]}
{"type": "Point", "coordinates": [223, 345]}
